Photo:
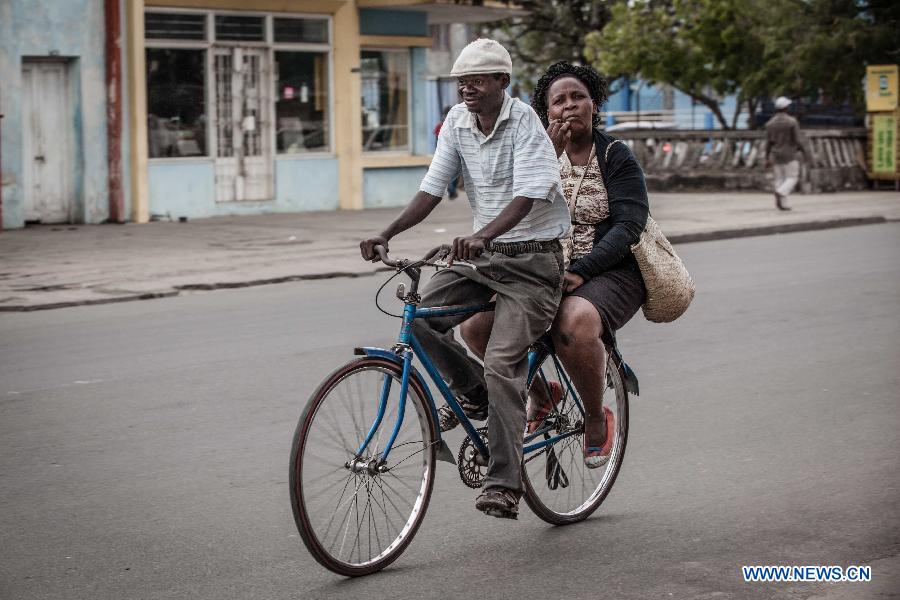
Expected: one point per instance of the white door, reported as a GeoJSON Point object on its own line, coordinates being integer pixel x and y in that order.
{"type": "Point", "coordinates": [244, 166]}
{"type": "Point", "coordinates": [47, 143]}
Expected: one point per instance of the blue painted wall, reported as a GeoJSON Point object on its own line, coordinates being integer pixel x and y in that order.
{"type": "Point", "coordinates": [74, 30]}
{"type": "Point", "coordinates": [421, 128]}
{"type": "Point", "coordinates": [376, 21]}
{"type": "Point", "coordinates": [687, 114]}
{"type": "Point", "coordinates": [186, 188]}
{"type": "Point", "coordinates": [391, 187]}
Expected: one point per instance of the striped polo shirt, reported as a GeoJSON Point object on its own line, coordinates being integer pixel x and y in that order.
{"type": "Point", "coordinates": [516, 159]}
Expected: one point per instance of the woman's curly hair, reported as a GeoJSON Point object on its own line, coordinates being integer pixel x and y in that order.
{"type": "Point", "coordinates": [587, 75]}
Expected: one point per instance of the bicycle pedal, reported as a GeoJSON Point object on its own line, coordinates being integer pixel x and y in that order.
{"type": "Point", "coordinates": [502, 514]}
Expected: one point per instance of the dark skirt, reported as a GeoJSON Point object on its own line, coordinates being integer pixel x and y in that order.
{"type": "Point", "coordinates": [617, 295]}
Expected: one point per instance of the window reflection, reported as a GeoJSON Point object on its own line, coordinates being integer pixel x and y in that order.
{"type": "Point", "coordinates": [301, 107]}
{"type": "Point", "coordinates": [385, 99]}
{"type": "Point", "coordinates": [176, 102]}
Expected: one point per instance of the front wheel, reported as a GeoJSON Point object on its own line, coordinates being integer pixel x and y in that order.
{"type": "Point", "coordinates": [559, 487]}
{"type": "Point", "coordinates": [355, 511]}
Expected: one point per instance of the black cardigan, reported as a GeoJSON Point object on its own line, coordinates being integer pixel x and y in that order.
{"type": "Point", "coordinates": [628, 210]}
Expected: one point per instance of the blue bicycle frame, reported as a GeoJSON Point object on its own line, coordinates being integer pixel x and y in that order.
{"type": "Point", "coordinates": [407, 346]}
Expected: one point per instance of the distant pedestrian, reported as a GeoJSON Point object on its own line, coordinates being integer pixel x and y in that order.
{"type": "Point", "coordinates": [782, 145]}
{"type": "Point", "coordinates": [451, 187]}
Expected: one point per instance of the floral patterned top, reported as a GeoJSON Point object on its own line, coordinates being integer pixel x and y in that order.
{"type": "Point", "coordinates": [591, 208]}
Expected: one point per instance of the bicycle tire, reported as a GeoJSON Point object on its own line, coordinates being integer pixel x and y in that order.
{"type": "Point", "coordinates": [539, 471]}
{"type": "Point", "coordinates": [304, 457]}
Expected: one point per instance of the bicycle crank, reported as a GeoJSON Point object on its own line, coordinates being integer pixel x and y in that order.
{"type": "Point", "coordinates": [472, 465]}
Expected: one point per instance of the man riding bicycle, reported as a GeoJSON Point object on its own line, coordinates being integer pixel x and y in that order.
{"type": "Point", "coordinates": [512, 179]}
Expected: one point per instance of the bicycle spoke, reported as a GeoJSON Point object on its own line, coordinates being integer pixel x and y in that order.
{"type": "Point", "coordinates": [354, 514]}
{"type": "Point", "coordinates": [337, 509]}
{"type": "Point", "coordinates": [547, 471]}
{"type": "Point", "coordinates": [330, 486]}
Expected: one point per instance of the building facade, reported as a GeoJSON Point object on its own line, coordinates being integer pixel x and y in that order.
{"type": "Point", "coordinates": [53, 159]}
{"type": "Point", "coordinates": [227, 106]}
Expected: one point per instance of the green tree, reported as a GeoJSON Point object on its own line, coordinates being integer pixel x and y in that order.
{"type": "Point", "coordinates": [712, 48]}
{"type": "Point", "coordinates": [825, 45]}
{"type": "Point", "coordinates": [548, 31]}
{"type": "Point", "coordinates": [704, 48]}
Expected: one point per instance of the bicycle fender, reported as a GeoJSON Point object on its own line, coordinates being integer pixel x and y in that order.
{"type": "Point", "coordinates": [631, 380]}
{"type": "Point", "coordinates": [443, 451]}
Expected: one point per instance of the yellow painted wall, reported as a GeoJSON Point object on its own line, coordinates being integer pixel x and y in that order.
{"type": "Point", "coordinates": [348, 107]}
{"type": "Point", "coordinates": [137, 113]}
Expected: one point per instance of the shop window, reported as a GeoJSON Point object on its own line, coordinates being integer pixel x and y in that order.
{"type": "Point", "coordinates": [174, 26]}
{"type": "Point", "coordinates": [300, 31]}
{"type": "Point", "coordinates": [240, 29]}
{"type": "Point", "coordinates": [176, 102]}
{"type": "Point", "coordinates": [385, 99]}
{"type": "Point", "coordinates": [301, 109]}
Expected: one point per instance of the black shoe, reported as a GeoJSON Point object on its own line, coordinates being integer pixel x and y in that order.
{"type": "Point", "coordinates": [498, 502]}
{"type": "Point", "coordinates": [476, 411]}
{"type": "Point", "coordinates": [779, 202]}
{"type": "Point", "coordinates": [447, 419]}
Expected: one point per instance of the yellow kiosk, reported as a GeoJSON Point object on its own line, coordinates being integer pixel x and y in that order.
{"type": "Point", "coordinates": [883, 123]}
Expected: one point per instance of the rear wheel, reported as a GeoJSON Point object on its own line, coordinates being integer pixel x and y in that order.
{"type": "Point", "coordinates": [559, 487]}
{"type": "Point", "coordinates": [355, 511]}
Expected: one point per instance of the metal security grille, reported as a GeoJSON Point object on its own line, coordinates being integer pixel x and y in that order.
{"type": "Point", "coordinates": [224, 124]}
{"type": "Point", "coordinates": [301, 31]}
{"type": "Point", "coordinates": [253, 100]}
{"type": "Point", "coordinates": [239, 28]}
{"type": "Point", "coordinates": [243, 147]}
{"type": "Point", "coordinates": [174, 26]}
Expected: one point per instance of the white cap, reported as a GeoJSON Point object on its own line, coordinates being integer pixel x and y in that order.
{"type": "Point", "coordinates": [782, 102]}
{"type": "Point", "coordinates": [480, 57]}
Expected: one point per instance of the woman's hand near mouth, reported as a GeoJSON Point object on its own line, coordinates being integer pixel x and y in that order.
{"type": "Point", "coordinates": [560, 133]}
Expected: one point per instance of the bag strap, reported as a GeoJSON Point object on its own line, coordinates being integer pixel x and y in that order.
{"type": "Point", "coordinates": [577, 187]}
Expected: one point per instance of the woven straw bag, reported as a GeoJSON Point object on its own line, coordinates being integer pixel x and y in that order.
{"type": "Point", "coordinates": [670, 288]}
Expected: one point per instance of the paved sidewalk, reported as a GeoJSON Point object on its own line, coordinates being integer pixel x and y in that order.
{"type": "Point", "coordinates": [65, 265]}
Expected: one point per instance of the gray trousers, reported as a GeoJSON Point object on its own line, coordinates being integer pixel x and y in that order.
{"type": "Point", "coordinates": [528, 289]}
{"type": "Point", "coordinates": [786, 177]}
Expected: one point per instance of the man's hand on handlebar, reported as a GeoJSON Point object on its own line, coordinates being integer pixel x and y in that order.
{"type": "Point", "coordinates": [367, 247]}
{"type": "Point", "coordinates": [467, 248]}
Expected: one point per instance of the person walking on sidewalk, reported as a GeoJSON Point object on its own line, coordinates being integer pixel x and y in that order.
{"type": "Point", "coordinates": [512, 179]}
{"type": "Point", "coordinates": [782, 145]}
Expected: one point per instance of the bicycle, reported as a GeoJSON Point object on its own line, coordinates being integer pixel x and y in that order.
{"type": "Point", "coordinates": [361, 480]}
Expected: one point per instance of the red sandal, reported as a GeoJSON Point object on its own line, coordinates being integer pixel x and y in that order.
{"type": "Point", "coordinates": [537, 414]}
{"type": "Point", "coordinates": [594, 456]}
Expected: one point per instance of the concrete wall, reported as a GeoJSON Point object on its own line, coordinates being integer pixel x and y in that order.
{"type": "Point", "coordinates": [73, 30]}
{"type": "Point", "coordinates": [186, 188]}
{"type": "Point", "coordinates": [392, 186]}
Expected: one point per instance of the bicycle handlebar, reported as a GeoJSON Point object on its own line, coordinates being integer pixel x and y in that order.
{"type": "Point", "coordinates": [442, 251]}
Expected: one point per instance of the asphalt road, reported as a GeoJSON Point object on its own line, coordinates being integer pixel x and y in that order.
{"type": "Point", "coordinates": [144, 446]}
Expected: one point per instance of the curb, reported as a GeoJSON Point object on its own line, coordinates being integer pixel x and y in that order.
{"type": "Point", "coordinates": [687, 238]}
{"type": "Point", "coordinates": [52, 305]}
{"type": "Point", "coordinates": [727, 234]}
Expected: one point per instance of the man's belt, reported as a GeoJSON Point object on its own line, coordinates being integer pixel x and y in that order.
{"type": "Point", "coordinates": [527, 247]}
